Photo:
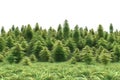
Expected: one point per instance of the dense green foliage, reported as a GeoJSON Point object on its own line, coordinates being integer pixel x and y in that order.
{"type": "Point", "coordinates": [63, 44]}
{"type": "Point", "coordinates": [59, 71]}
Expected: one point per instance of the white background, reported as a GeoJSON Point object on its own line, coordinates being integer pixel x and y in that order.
{"type": "Point", "coordinates": [48, 13]}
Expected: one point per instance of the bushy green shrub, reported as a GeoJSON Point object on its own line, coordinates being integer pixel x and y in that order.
{"type": "Point", "coordinates": [2, 44]}
{"type": "Point", "coordinates": [87, 55]}
{"type": "Point", "coordinates": [59, 52]}
{"type": "Point", "coordinates": [10, 59]}
{"type": "Point", "coordinates": [73, 60]}
{"type": "Point", "coordinates": [76, 54]}
{"type": "Point", "coordinates": [37, 47]}
{"type": "Point", "coordinates": [16, 55]}
{"type": "Point", "coordinates": [33, 58]}
{"type": "Point", "coordinates": [26, 61]}
{"type": "Point", "coordinates": [1, 58]}
{"type": "Point", "coordinates": [116, 52]}
{"type": "Point", "coordinates": [44, 54]}
{"type": "Point", "coordinates": [88, 58]}
{"type": "Point", "coordinates": [105, 57]}
{"type": "Point", "coordinates": [71, 45]}
{"type": "Point", "coordinates": [51, 60]}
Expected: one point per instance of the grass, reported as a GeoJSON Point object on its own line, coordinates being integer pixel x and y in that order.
{"type": "Point", "coordinates": [60, 71]}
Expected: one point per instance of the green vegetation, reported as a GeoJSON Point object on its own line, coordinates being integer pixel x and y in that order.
{"type": "Point", "coordinates": [85, 45]}
{"type": "Point", "coordinates": [33, 53]}
{"type": "Point", "coordinates": [59, 71]}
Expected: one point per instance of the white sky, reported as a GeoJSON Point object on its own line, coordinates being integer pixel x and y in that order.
{"type": "Point", "coordinates": [48, 13]}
